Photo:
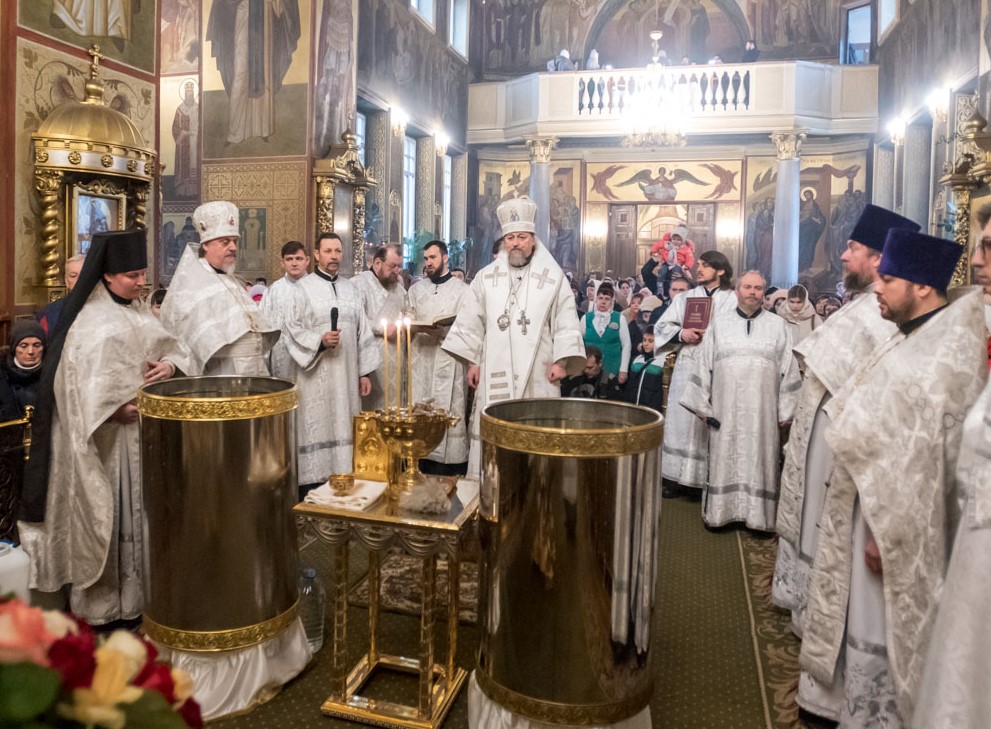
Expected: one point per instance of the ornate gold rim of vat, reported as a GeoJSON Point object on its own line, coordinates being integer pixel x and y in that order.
{"type": "Point", "coordinates": [568, 714]}
{"type": "Point", "coordinates": [219, 640]}
{"type": "Point", "coordinates": [238, 407]}
{"type": "Point", "coordinates": [619, 440]}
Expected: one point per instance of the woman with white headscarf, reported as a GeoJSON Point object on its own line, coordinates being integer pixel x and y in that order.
{"type": "Point", "coordinates": [800, 313]}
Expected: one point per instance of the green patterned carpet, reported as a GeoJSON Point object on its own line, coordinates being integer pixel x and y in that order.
{"type": "Point", "coordinates": [724, 657]}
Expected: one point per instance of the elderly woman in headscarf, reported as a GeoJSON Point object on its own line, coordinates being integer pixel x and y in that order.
{"type": "Point", "coordinates": [800, 313]}
{"type": "Point", "coordinates": [22, 365]}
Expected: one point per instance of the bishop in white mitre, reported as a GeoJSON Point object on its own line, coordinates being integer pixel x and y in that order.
{"type": "Point", "coordinates": [275, 303]}
{"type": "Point", "coordinates": [745, 391]}
{"type": "Point", "coordinates": [686, 439]}
{"type": "Point", "coordinates": [437, 376]}
{"type": "Point", "coordinates": [383, 301]}
{"type": "Point", "coordinates": [208, 308]}
{"type": "Point", "coordinates": [517, 329]}
{"type": "Point", "coordinates": [831, 354]}
{"type": "Point", "coordinates": [334, 364]}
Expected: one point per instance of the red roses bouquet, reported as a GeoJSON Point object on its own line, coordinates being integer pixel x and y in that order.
{"type": "Point", "coordinates": [55, 672]}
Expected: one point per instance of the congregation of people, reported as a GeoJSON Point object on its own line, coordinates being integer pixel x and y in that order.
{"type": "Point", "coordinates": [856, 428]}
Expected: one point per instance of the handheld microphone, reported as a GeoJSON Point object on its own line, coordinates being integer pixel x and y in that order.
{"type": "Point", "coordinates": [333, 319]}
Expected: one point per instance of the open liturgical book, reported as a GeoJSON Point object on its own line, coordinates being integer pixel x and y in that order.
{"type": "Point", "coordinates": [698, 309]}
{"type": "Point", "coordinates": [444, 320]}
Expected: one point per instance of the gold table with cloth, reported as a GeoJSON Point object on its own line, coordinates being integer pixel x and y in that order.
{"type": "Point", "coordinates": [381, 528]}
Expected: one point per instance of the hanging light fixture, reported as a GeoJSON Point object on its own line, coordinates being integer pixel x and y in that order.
{"type": "Point", "coordinates": [659, 103]}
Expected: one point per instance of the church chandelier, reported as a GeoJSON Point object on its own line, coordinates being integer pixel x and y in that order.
{"type": "Point", "coordinates": [658, 107]}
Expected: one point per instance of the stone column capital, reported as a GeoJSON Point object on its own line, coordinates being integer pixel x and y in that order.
{"type": "Point", "coordinates": [788, 144]}
{"type": "Point", "coordinates": [540, 148]}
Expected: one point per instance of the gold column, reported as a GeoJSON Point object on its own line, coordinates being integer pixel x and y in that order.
{"type": "Point", "coordinates": [969, 170]}
{"type": "Point", "coordinates": [48, 183]}
{"type": "Point", "coordinates": [140, 206]}
{"type": "Point", "coordinates": [962, 195]}
{"type": "Point", "coordinates": [358, 229]}
{"type": "Point", "coordinates": [326, 188]}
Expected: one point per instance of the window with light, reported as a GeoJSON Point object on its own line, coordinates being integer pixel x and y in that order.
{"type": "Point", "coordinates": [409, 187]}
{"type": "Point", "coordinates": [425, 8]}
{"type": "Point", "coordinates": [446, 214]}
{"type": "Point", "coordinates": [458, 26]}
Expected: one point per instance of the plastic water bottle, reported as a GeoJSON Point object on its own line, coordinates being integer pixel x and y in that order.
{"type": "Point", "coordinates": [312, 599]}
{"type": "Point", "coordinates": [14, 571]}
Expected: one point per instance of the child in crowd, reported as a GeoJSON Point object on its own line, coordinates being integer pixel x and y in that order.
{"type": "Point", "coordinates": [646, 380]}
{"type": "Point", "coordinates": [676, 255]}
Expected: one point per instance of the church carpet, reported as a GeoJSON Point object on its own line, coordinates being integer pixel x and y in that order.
{"type": "Point", "coordinates": [724, 657]}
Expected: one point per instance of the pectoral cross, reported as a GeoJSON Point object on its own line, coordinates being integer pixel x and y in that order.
{"type": "Point", "coordinates": [542, 278]}
{"type": "Point", "coordinates": [523, 321]}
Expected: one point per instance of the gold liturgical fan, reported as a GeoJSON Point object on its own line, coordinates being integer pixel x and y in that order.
{"type": "Point", "coordinates": [93, 172]}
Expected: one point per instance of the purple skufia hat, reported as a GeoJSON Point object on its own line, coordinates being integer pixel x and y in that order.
{"type": "Point", "coordinates": [872, 228]}
{"type": "Point", "coordinates": [920, 258]}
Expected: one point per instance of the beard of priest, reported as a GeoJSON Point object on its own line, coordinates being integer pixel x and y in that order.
{"type": "Point", "coordinates": [519, 248]}
{"type": "Point", "coordinates": [221, 253]}
{"type": "Point", "coordinates": [387, 269]}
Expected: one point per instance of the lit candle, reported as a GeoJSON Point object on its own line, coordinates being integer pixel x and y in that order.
{"type": "Point", "coordinates": [399, 363]}
{"type": "Point", "coordinates": [385, 351]}
{"type": "Point", "coordinates": [409, 366]}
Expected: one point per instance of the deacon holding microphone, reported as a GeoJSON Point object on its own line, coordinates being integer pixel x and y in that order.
{"type": "Point", "coordinates": [334, 364]}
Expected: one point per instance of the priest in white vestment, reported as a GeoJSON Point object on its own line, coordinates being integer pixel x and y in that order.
{"type": "Point", "coordinates": [517, 329]}
{"type": "Point", "coordinates": [830, 355]}
{"type": "Point", "coordinates": [954, 692]}
{"type": "Point", "coordinates": [81, 509]}
{"type": "Point", "coordinates": [275, 303]}
{"type": "Point", "coordinates": [437, 376]}
{"type": "Point", "coordinates": [685, 461]}
{"type": "Point", "coordinates": [334, 364]}
{"type": "Point", "coordinates": [744, 392]}
{"type": "Point", "coordinates": [383, 301]}
{"type": "Point", "coordinates": [208, 308]}
{"type": "Point", "coordinates": [891, 506]}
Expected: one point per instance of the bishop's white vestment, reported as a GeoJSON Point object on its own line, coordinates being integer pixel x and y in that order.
{"type": "Point", "coordinates": [212, 314]}
{"type": "Point", "coordinates": [92, 536]}
{"type": "Point", "coordinates": [515, 323]}
{"type": "Point", "coordinates": [438, 376]}
{"type": "Point", "coordinates": [685, 450]}
{"type": "Point", "coordinates": [274, 305]}
{"type": "Point", "coordinates": [954, 692]}
{"type": "Point", "coordinates": [328, 377]}
{"type": "Point", "coordinates": [831, 354]}
{"type": "Point", "coordinates": [748, 380]}
{"type": "Point", "coordinates": [895, 437]}
{"type": "Point", "coordinates": [378, 303]}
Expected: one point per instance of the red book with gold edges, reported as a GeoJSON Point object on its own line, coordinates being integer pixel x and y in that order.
{"type": "Point", "coordinates": [697, 312]}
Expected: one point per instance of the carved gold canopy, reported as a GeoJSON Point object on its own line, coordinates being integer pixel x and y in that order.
{"type": "Point", "coordinates": [339, 175]}
{"type": "Point", "coordinates": [91, 165]}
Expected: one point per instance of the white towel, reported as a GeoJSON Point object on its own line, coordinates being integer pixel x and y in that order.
{"type": "Point", "coordinates": [364, 495]}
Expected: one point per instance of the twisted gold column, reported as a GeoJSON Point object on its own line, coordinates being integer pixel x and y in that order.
{"type": "Point", "coordinates": [358, 230]}
{"type": "Point", "coordinates": [48, 183]}
{"type": "Point", "coordinates": [961, 275]}
{"type": "Point", "coordinates": [325, 204]}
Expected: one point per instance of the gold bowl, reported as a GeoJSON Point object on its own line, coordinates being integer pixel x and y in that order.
{"type": "Point", "coordinates": [412, 435]}
{"type": "Point", "coordinates": [342, 483]}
